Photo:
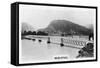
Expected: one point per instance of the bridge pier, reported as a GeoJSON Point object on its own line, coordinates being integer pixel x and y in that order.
{"type": "Point", "coordinates": [61, 44]}
{"type": "Point", "coordinates": [40, 40]}
{"type": "Point", "coordinates": [33, 39]}
{"type": "Point", "coordinates": [48, 40]}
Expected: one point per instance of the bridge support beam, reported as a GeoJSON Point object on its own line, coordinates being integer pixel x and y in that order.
{"type": "Point", "coordinates": [61, 44]}
{"type": "Point", "coordinates": [48, 40]}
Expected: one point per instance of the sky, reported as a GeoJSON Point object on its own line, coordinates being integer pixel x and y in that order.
{"type": "Point", "coordinates": [41, 16]}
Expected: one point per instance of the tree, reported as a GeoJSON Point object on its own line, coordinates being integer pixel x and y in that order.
{"type": "Point", "coordinates": [34, 33]}
{"type": "Point", "coordinates": [41, 33]}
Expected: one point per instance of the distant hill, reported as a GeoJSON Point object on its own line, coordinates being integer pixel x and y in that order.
{"type": "Point", "coordinates": [26, 27]}
{"type": "Point", "coordinates": [91, 27]}
{"type": "Point", "coordinates": [65, 26]}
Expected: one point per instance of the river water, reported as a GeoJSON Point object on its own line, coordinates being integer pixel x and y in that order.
{"type": "Point", "coordinates": [35, 51]}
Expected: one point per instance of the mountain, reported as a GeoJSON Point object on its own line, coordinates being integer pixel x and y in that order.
{"type": "Point", "coordinates": [65, 26]}
{"type": "Point", "coordinates": [26, 27]}
{"type": "Point", "coordinates": [90, 26]}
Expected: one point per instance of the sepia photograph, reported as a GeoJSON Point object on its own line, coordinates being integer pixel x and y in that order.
{"type": "Point", "coordinates": [56, 34]}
